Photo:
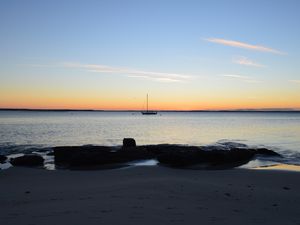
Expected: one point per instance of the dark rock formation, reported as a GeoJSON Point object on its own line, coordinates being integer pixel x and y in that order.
{"type": "Point", "coordinates": [135, 153]}
{"type": "Point", "coordinates": [128, 142]}
{"type": "Point", "coordinates": [266, 152]}
{"type": "Point", "coordinates": [228, 154]}
{"type": "Point", "coordinates": [188, 156]}
{"type": "Point", "coordinates": [166, 148]}
{"type": "Point", "coordinates": [67, 154]}
{"type": "Point", "coordinates": [97, 155]}
{"type": "Point", "coordinates": [2, 158]}
{"type": "Point", "coordinates": [28, 160]}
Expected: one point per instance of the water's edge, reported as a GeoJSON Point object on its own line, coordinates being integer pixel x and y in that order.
{"type": "Point", "coordinates": [289, 161]}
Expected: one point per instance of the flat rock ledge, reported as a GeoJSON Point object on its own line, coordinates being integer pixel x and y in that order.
{"type": "Point", "coordinates": [224, 155]}
{"type": "Point", "coordinates": [28, 160]}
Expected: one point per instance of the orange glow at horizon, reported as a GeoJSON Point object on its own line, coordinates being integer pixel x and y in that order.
{"type": "Point", "coordinates": [161, 98]}
{"type": "Point", "coordinates": [155, 104]}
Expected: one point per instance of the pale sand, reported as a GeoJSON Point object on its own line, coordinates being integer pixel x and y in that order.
{"type": "Point", "coordinates": [149, 195]}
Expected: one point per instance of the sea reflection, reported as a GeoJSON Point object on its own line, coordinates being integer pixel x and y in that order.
{"type": "Point", "coordinates": [20, 131]}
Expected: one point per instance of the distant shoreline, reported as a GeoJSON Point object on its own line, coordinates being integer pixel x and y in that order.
{"type": "Point", "coordinates": [96, 110]}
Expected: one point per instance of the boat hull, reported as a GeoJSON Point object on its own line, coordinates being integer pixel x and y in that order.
{"type": "Point", "coordinates": [149, 113]}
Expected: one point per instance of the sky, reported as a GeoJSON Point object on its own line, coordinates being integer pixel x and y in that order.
{"type": "Point", "coordinates": [187, 55]}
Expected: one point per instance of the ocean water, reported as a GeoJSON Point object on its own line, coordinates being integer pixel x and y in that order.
{"type": "Point", "coordinates": [25, 130]}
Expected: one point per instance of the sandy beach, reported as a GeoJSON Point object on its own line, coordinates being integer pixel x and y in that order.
{"type": "Point", "coordinates": [149, 195]}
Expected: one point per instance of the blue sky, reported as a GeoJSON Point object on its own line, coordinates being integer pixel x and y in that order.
{"type": "Point", "coordinates": [162, 46]}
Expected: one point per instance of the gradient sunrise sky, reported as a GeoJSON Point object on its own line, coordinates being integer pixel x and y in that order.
{"type": "Point", "coordinates": [188, 55]}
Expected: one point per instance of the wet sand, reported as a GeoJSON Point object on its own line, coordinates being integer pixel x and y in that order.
{"type": "Point", "coordinates": [149, 195]}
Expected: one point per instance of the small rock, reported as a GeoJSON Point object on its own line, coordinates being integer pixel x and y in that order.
{"type": "Point", "coordinates": [129, 142]}
{"type": "Point", "coordinates": [28, 160]}
{"type": "Point", "coordinates": [2, 158]}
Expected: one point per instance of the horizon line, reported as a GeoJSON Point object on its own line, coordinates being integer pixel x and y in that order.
{"type": "Point", "coordinates": [168, 110]}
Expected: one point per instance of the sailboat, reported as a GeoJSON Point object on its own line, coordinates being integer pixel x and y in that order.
{"type": "Point", "coordinates": [148, 112]}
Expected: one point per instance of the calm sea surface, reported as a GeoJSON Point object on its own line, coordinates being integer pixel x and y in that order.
{"type": "Point", "coordinates": [21, 130]}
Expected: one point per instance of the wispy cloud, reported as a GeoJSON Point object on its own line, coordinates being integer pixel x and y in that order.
{"type": "Point", "coordinates": [234, 76]}
{"type": "Point", "coordinates": [241, 60]}
{"type": "Point", "coordinates": [242, 78]}
{"type": "Point", "coordinates": [134, 73]}
{"type": "Point", "coordinates": [39, 65]}
{"type": "Point", "coordinates": [295, 81]}
{"type": "Point", "coordinates": [244, 45]}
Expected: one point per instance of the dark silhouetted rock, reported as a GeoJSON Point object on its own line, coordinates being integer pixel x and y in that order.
{"type": "Point", "coordinates": [28, 160]}
{"type": "Point", "coordinates": [97, 155]}
{"type": "Point", "coordinates": [66, 154]}
{"type": "Point", "coordinates": [135, 153]}
{"type": "Point", "coordinates": [227, 154]}
{"type": "Point", "coordinates": [178, 158]}
{"type": "Point", "coordinates": [166, 148]}
{"type": "Point", "coordinates": [266, 152]}
{"type": "Point", "coordinates": [2, 158]}
{"type": "Point", "coordinates": [188, 156]}
{"type": "Point", "coordinates": [128, 142]}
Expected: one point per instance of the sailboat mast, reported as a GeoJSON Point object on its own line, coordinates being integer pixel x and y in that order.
{"type": "Point", "coordinates": [147, 103]}
{"type": "Point", "coordinates": [147, 112]}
